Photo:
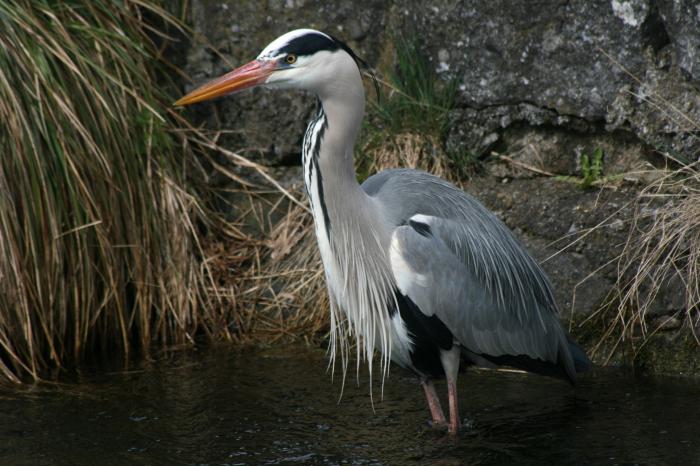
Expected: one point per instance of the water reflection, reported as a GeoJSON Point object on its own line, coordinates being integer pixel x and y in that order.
{"type": "Point", "coordinates": [223, 407]}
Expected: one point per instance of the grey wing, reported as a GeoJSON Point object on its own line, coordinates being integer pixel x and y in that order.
{"type": "Point", "coordinates": [433, 277]}
{"type": "Point", "coordinates": [456, 260]}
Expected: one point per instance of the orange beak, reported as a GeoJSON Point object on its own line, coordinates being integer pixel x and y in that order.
{"type": "Point", "coordinates": [250, 75]}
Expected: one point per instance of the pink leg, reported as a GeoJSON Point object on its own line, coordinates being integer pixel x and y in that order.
{"type": "Point", "coordinates": [450, 362]}
{"type": "Point", "coordinates": [434, 403]}
{"type": "Point", "coordinates": [454, 410]}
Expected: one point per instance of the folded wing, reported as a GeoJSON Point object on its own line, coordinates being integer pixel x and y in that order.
{"type": "Point", "coordinates": [449, 273]}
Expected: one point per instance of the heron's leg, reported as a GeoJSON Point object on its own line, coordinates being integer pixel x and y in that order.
{"type": "Point", "coordinates": [454, 410]}
{"type": "Point", "coordinates": [433, 403]}
{"type": "Point", "coordinates": [450, 362]}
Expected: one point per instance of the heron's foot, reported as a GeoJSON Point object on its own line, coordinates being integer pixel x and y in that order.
{"type": "Point", "coordinates": [438, 425]}
{"type": "Point", "coordinates": [436, 412]}
{"type": "Point", "coordinates": [454, 427]}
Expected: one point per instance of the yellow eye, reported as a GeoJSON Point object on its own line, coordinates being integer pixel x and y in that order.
{"type": "Point", "coordinates": [291, 58]}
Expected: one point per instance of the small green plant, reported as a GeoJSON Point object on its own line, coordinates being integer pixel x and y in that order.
{"type": "Point", "coordinates": [591, 171]}
{"type": "Point", "coordinates": [464, 163]}
{"type": "Point", "coordinates": [591, 168]}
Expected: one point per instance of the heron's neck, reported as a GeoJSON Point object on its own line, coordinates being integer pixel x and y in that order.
{"type": "Point", "coordinates": [352, 237]}
{"type": "Point", "coordinates": [329, 172]}
{"type": "Point", "coordinates": [343, 115]}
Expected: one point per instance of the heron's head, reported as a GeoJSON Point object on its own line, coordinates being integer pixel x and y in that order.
{"type": "Point", "coordinates": [302, 59]}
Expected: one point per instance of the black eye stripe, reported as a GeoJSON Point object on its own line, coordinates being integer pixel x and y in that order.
{"type": "Point", "coordinates": [313, 42]}
{"type": "Point", "coordinates": [309, 44]}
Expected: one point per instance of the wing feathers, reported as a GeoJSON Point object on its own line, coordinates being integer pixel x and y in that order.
{"type": "Point", "coordinates": [428, 271]}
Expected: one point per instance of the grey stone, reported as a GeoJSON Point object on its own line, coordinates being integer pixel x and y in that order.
{"type": "Point", "coordinates": [663, 110]}
{"type": "Point", "coordinates": [545, 53]}
{"type": "Point", "coordinates": [577, 294]}
{"type": "Point", "coordinates": [681, 20]}
{"type": "Point", "coordinates": [570, 64]}
{"type": "Point", "coordinates": [587, 67]}
{"type": "Point", "coordinates": [670, 299]}
{"type": "Point", "coordinates": [558, 151]}
{"type": "Point", "coordinates": [476, 131]}
{"type": "Point", "coordinates": [617, 225]}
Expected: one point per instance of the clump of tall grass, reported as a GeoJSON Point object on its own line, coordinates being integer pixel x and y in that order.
{"type": "Point", "coordinates": [418, 100]}
{"type": "Point", "coordinates": [662, 251]}
{"type": "Point", "coordinates": [98, 249]}
{"type": "Point", "coordinates": [662, 248]}
{"type": "Point", "coordinates": [406, 126]}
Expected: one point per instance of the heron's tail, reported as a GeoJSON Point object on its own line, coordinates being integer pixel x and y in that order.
{"type": "Point", "coordinates": [581, 361]}
{"type": "Point", "coordinates": [572, 358]}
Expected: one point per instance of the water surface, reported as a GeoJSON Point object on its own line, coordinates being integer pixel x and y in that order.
{"type": "Point", "coordinates": [280, 407]}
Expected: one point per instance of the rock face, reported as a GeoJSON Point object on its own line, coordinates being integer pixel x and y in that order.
{"type": "Point", "coordinates": [587, 66]}
{"type": "Point", "coordinates": [544, 81]}
{"type": "Point", "coordinates": [576, 65]}
{"type": "Point", "coordinates": [545, 53]}
{"type": "Point", "coordinates": [681, 19]}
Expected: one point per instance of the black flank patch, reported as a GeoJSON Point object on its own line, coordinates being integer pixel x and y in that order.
{"type": "Point", "coordinates": [429, 336]}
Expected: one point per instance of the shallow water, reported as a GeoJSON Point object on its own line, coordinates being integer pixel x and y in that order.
{"type": "Point", "coordinates": [223, 407]}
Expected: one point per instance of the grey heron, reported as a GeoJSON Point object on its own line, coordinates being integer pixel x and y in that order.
{"type": "Point", "coordinates": [415, 267]}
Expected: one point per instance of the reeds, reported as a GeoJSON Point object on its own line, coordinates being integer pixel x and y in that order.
{"type": "Point", "coordinates": [418, 100]}
{"type": "Point", "coordinates": [98, 248]}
